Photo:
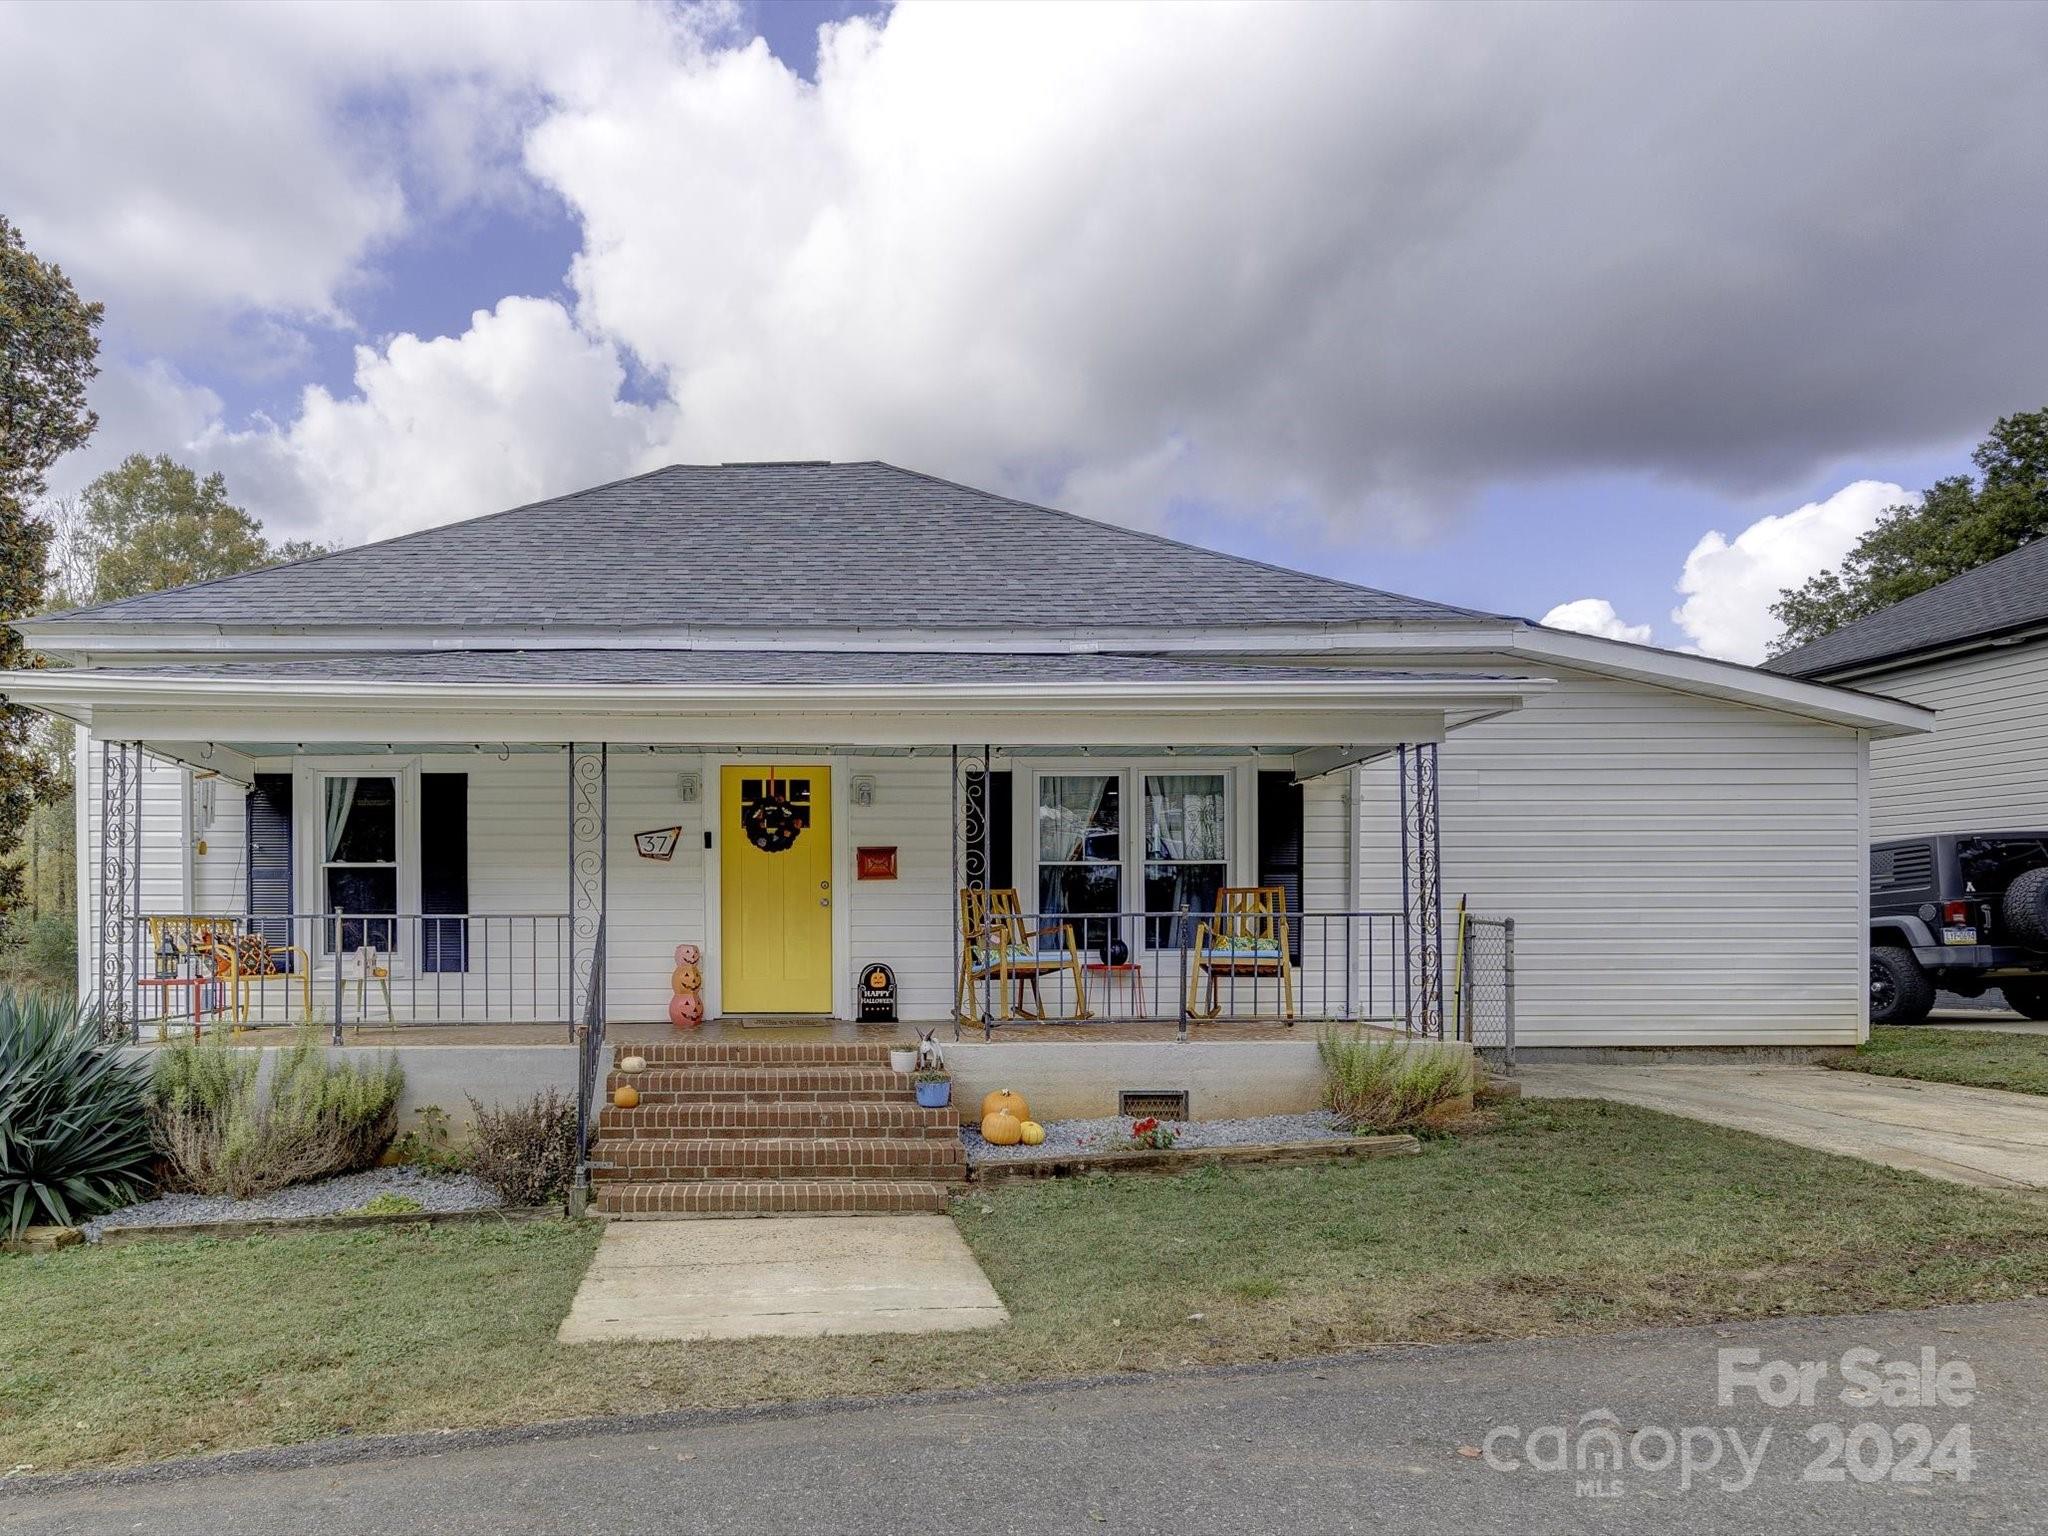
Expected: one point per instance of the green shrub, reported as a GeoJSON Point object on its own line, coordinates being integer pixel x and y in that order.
{"type": "Point", "coordinates": [431, 1144]}
{"type": "Point", "coordinates": [388, 1204]}
{"type": "Point", "coordinates": [74, 1133]}
{"type": "Point", "coordinates": [526, 1152]}
{"type": "Point", "coordinates": [226, 1133]}
{"type": "Point", "coordinates": [42, 956]}
{"type": "Point", "coordinates": [1384, 1085]}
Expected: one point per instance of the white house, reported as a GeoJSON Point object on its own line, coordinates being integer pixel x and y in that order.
{"type": "Point", "coordinates": [786, 712]}
{"type": "Point", "coordinates": [1975, 650]}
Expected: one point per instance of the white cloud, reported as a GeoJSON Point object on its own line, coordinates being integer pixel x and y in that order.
{"type": "Point", "coordinates": [521, 406]}
{"type": "Point", "coordinates": [188, 165]}
{"type": "Point", "coordinates": [1233, 253]}
{"type": "Point", "coordinates": [1114, 255]}
{"type": "Point", "coordinates": [1729, 585]}
{"type": "Point", "coordinates": [1596, 616]}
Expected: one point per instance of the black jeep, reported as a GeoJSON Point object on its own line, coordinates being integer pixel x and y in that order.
{"type": "Point", "coordinates": [1962, 912]}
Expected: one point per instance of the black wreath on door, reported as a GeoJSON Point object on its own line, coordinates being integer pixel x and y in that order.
{"type": "Point", "coordinates": [773, 815]}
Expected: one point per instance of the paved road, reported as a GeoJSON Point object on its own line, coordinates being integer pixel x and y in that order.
{"type": "Point", "coordinates": [1378, 1443]}
{"type": "Point", "coordinates": [1968, 1135]}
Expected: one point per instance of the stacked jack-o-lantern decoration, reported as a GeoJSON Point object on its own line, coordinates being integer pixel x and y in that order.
{"type": "Point", "coordinates": [686, 982]}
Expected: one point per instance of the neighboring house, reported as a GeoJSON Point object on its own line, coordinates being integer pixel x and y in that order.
{"type": "Point", "coordinates": [831, 695]}
{"type": "Point", "coordinates": [1974, 649]}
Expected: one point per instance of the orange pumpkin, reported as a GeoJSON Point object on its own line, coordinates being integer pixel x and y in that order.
{"type": "Point", "coordinates": [626, 1096]}
{"type": "Point", "coordinates": [1005, 1102]}
{"type": "Point", "coordinates": [685, 978]}
{"type": "Point", "coordinates": [1002, 1129]}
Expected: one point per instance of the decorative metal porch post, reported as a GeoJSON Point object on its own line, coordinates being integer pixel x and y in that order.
{"type": "Point", "coordinates": [971, 862]}
{"type": "Point", "coordinates": [120, 886]}
{"type": "Point", "coordinates": [1422, 903]}
{"type": "Point", "coordinates": [589, 812]}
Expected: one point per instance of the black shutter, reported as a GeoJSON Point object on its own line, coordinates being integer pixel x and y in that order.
{"type": "Point", "coordinates": [1279, 845]}
{"type": "Point", "coordinates": [1002, 869]}
{"type": "Point", "coordinates": [444, 869]}
{"type": "Point", "coordinates": [267, 825]}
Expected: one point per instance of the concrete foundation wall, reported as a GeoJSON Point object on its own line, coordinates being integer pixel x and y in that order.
{"type": "Point", "coordinates": [1061, 1082]}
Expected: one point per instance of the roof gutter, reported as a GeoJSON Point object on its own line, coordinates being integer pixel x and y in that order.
{"type": "Point", "coordinates": [1901, 661]}
{"type": "Point", "coordinates": [57, 689]}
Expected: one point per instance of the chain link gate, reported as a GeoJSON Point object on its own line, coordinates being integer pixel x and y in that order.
{"type": "Point", "coordinates": [1485, 982]}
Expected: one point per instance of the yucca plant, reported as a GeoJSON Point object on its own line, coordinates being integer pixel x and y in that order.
{"type": "Point", "coordinates": [74, 1132]}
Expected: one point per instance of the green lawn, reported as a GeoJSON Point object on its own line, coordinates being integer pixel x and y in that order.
{"type": "Point", "coordinates": [1572, 1217]}
{"type": "Point", "coordinates": [1979, 1058]}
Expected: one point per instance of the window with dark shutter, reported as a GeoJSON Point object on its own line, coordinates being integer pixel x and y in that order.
{"type": "Point", "coordinates": [1279, 845]}
{"type": "Point", "coordinates": [444, 870]}
{"type": "Point", "coordinates": [267, 819]}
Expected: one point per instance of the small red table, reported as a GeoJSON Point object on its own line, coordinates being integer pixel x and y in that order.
{"type": "Point", "coordinates": [198, 986]}
{"type": "Point", "coordinates": [1114, 974]}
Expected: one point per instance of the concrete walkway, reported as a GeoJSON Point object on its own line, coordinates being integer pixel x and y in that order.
{"type": "Point", "coordinates": [780, 1277]}
{"type": "Point", "coordinates": [1969, 1135]}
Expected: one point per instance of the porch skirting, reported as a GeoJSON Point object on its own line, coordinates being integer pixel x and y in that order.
{"type": "Point", "coordinates": [1062, 1081]}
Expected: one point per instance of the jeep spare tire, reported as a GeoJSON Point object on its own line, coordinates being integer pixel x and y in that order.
{"type": "Point", "coordinates": [1900, 992]}
{"type": "Point", "coordinates": [2026, 908]}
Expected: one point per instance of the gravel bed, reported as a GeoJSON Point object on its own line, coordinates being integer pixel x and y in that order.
{"type": "Point", "coordinates": [330, 1197]}
{"type": "Point", "coordinates": [1070, 1138]}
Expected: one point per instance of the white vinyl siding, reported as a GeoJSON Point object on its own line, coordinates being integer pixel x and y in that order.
{"type": "Point", "coordinates": [1984, 767]}
{"type": "Point", "coordinates": [1682, 871]}
{"type": "Point", "coordinates": [906, 923]}
{"type": "Point", "coordinates": [652, 905]}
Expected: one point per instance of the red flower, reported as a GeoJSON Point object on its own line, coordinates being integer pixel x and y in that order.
{"type": "Point", "coordinates": [1140, 1127]}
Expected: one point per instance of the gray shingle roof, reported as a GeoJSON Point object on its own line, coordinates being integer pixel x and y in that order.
{"type": "Point", "coordinates": [773, 545]}
{"type": "Point", "coordinates": [1996, 598]}
{"type": "Point", "coordinates": [771, 668]}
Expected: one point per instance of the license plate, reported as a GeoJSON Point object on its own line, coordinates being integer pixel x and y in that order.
{"type": "Point", "coordinates": [1958, 935]}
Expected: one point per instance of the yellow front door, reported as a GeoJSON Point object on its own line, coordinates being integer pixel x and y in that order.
{"type": "Point", "coordinates": [775, 877]}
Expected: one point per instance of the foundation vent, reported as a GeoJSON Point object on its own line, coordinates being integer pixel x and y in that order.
{"type": "Point", "coordinates": [1162, 1103]}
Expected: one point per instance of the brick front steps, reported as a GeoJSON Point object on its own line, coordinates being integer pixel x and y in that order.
{"type": "Point", "coordinates": [754, 1130]}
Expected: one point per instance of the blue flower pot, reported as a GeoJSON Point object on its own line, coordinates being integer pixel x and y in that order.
{"type": "Point", "coordinates": [934, 1095]}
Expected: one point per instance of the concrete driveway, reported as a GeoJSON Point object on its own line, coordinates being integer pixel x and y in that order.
{"type": "Point", "coordinates": [1970, 1135]}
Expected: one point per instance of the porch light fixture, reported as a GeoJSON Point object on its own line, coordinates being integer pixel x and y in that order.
{"type": "Point", "coordinates": [864, 789]}
{"type": "Point", "coordinates": [688, 788]}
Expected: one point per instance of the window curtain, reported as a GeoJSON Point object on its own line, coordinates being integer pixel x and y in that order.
{"type": "Point", "coordinates": [341, 799]}
{"type": "Point", "coordinates": [1184, 817]}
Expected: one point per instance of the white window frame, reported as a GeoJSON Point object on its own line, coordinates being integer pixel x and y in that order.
{"type": "Point", "coordinates": [309, 831]}
{"type": "Point", "coordinates": [1240, 812]}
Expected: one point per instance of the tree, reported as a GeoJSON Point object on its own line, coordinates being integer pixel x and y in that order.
{"type": "Point", "coordinates": [1955, 527]}
{"type": "Point", "coordinates": [151, 523]}
{"type": "Point", "coordinates": [48, 353]}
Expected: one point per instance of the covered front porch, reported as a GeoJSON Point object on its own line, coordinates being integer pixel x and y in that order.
{"type": "Point", "coordinates": [1170, 860]}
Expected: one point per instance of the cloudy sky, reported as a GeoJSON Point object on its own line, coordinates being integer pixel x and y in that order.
{"type": "Point", "coordinates": [1632, 314]}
